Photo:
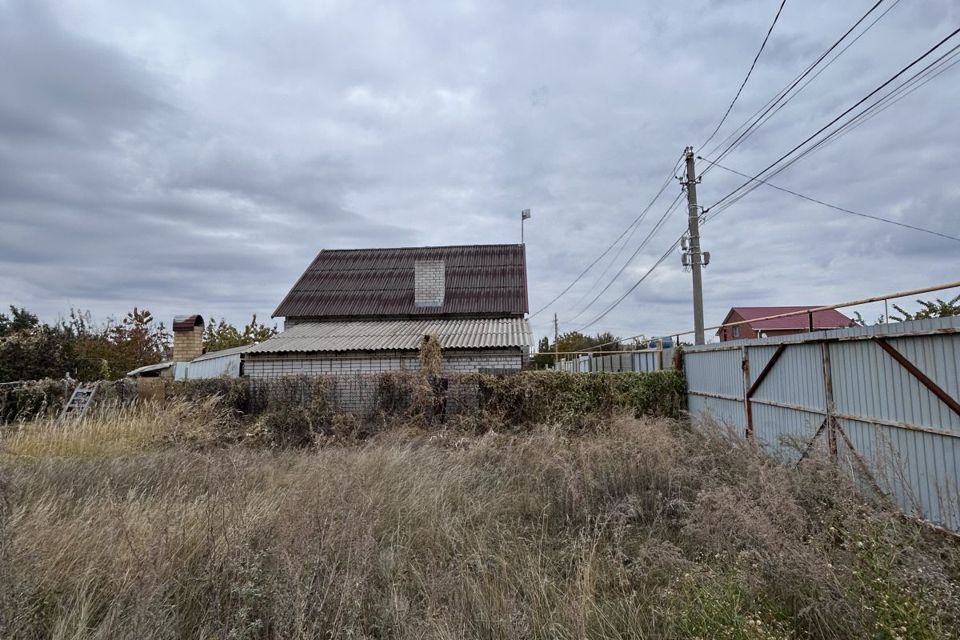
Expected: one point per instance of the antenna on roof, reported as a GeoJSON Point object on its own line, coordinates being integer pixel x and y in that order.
{"type": "Point", "coordinates": [524, 215]}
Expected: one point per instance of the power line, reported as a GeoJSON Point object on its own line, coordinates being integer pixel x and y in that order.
{"type": "Point", "coordinates": [754, 182]}
{"type": "Point", "coordinates": [834, 135]}
{"type": "Point", "coordinates": [931, 72]}
{"type": "Point", "coordinates": [614, 243]}
{"type": "Point", "coordinates": [917, 80]}
{"type": "Point", "coordinates": [781, 99]}
{"type": "Point", "coordinates": [832, 206]}
{"type": "Point", "coordinates": [623, 245]}
{"type": "Point", "coordinates": [903, 89]}
{"type": "Point", "coordinates": [749, 71]}
{"type": "Point", "coordinates": [842, 115]}
{"type": "Point", "coordinates": [656, 228]}
{"type": "Point", "coordinates": [616, 303]}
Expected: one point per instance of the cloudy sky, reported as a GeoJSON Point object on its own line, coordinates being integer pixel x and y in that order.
{"type": "Point", "coordinates": [194, 156]}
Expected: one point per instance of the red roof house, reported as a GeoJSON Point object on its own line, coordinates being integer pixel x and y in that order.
{"type": "Point", "coordinates": [755, 327]}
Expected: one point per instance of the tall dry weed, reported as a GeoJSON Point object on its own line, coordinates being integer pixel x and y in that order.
{"type": "Point", "coordinates": [640, 529]}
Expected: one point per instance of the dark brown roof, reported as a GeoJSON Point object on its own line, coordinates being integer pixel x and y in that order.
{"type": "Point", "coordinates": [187, 323]}
{"type": "Point", "coordinates": [481, 280]}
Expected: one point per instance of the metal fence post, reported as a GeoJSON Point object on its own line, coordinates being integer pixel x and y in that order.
{"type": "Point", "coordinates": [828, 399]}
{"type": "Point", "coordinates": [745, 366]}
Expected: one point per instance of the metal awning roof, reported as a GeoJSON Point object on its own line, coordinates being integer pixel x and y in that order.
{"type": "Point", "coordinates": [150, 367]}
{"type": "Point", "coordinates": [404, 335]}
{"type": "Point", "coordinates": [223, 353]}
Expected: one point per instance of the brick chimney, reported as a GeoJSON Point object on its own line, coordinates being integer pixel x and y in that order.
{"type": "Point", "coordinates": [429, 283]}
{"type": "Point", "coordinates": [187, 338]}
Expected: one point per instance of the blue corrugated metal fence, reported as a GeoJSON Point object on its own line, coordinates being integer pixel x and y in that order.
{"type": "Point", "coordinates": [642, 360]}
{"type": "Point", "coordinates": [881, 399]}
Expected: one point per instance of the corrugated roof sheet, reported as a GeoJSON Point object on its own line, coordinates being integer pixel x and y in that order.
{"type": "Point", "coordinates": [211, 355]}
{"type": "Point", "coordinates": [405, 335]}
{"type": "Point", "coordinates": [150, 367]}
{"type": "Point", "coordinates": [480, 280]}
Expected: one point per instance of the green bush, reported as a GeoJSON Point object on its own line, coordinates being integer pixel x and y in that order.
{"type": "Point", "coordinates": [578, 399]}
{"type": "Point", "coordinates": [233, 393]}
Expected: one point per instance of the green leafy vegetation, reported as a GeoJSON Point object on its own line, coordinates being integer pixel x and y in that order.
{"type": "Point", "coordinates": [572, 341]}
{"type": "Point", "coordinates": [87, 350]}
{"type": "Point", "coordinates": [938, 308]}
{"type": "Point", "coordinates": [219, 335]}
{"type": "Point", "coordinates": [930, 309]}
{"type": "Point", "coordinates": [76, 346]}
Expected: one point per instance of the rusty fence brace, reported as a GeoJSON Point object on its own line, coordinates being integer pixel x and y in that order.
{"type": "Point", "coordinates": [748, 394]}
{"type": "Point", "coordinates": [934, 388]}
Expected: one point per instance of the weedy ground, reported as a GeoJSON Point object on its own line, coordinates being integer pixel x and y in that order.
{"type": "Point", "coordinates": [144, 524]}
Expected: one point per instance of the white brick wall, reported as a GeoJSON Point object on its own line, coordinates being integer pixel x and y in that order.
{"type": "Point", "coordinates": [262, 366]}
{"type": "Point", "coordinates": [356, 388]}
{"type": "Point", "coordinates": [429, 278]}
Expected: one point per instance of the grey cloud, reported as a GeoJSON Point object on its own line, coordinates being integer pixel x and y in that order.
{"type": "Point", "coordinates": [195, 156]}
{"type": "Point", "coordinates": [63, 90]}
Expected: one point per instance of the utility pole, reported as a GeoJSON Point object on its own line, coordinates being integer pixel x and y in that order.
{"type": "Point", "coordinates": [556, 341]}
{"type": "Point", "coordinates": [693, 257]}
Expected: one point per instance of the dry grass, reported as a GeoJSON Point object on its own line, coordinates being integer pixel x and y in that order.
{"type": "Point", "coordinates": [639, 530]}
{"type": "Point", "coordinates": [111, 430]}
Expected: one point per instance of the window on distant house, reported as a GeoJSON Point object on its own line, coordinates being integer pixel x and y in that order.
{"type": "Point", "coordinates": [736, 331]}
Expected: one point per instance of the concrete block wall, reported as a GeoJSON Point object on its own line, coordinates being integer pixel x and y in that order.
{"type": "Point", "coordinates": [429, 277]}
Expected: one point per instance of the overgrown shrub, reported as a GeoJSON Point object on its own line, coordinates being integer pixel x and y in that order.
{"type": "Point", "coordinates": [580, 399]}
{"type": "Point", "coordinates": [234, 394]}
{"type": "Point", "coordinates": [415, 397]}
{"type": "Point", "coordinates": [396, 393]}
{"type": "Point", "coordinates": [294, 411]}
{"type": "Point", "coordinates": [569, 400]}
{"type": "Point", "coordinates": [45, 398]}
{"type": "Point", "coordinates": [288, 406]}
{"type": "Point", "coordinates": [35, 399]}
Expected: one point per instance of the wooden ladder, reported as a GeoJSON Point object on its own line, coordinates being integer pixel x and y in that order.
{"type": "Point", "coordinates": [79, 402]}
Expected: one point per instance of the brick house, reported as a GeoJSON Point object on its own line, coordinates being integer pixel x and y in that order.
{"type": "Point", "coordinates": [757, 328]}
{"type": "Point", "coordinates": [367, 311]}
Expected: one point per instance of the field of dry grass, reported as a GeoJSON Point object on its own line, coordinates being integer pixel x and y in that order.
{"type": "Point", "coordinates": [141, 524]}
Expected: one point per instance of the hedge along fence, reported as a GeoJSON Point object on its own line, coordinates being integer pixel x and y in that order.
{"type": "Point", "coordinates": [531, 397]}
{"type": "Point", "coordinates": [44, 398]}
{"type": "Point", "coordinates": [569, 399]}
{"type": "Point", "coordinates": [361, 402]}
